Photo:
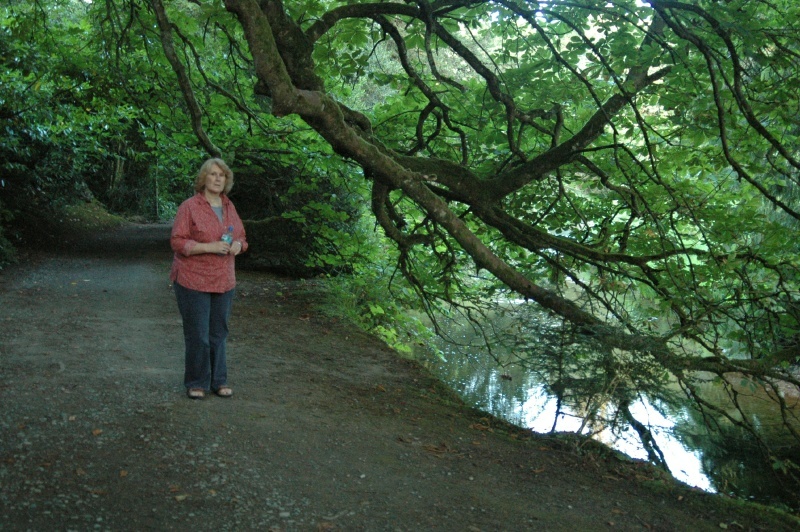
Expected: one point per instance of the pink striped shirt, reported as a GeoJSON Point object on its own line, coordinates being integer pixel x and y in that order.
{"type": "Point", "coordinates": [196, 222]}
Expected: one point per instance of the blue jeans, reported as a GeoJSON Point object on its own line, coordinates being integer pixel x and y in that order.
{"type": "Point", "coordinates": [205, 331]}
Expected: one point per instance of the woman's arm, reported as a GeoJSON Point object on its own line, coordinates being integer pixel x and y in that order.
{"type": "Point", "coordinates": [239, 244]}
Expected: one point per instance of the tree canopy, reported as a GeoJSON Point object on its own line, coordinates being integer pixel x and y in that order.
{"type": "Point", "coordinates": [628, 168]}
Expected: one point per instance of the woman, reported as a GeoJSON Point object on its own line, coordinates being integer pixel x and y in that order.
{"type": "Point", "coordinates": [206, 237]}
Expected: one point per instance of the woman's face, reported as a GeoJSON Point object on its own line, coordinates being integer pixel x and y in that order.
{"type": "Point", "coordinates": [215, 180]}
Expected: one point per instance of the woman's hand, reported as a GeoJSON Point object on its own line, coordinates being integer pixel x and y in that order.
{"type": "Point", "coordinates": [236, 248]}
{"type": "Point", "coordinates": [218, 248]}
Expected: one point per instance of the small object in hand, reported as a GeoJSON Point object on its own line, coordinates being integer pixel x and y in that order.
{"type": "Point", "coordinates": [228, 236]}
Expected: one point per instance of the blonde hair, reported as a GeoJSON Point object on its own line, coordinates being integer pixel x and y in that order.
{"type": "Point", "coordinates": [200, 180]}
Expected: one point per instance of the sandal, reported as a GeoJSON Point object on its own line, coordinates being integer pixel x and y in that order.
{"type": "Point", "coordinates": [224, 391]}
{"type": "Point", "coordinates": [195, 393]}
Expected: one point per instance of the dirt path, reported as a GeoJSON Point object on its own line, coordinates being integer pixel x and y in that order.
{"type": "Point", "coordinates": [328, 430]}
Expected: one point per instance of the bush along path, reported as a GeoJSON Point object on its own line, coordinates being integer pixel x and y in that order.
{"type": "Point", "coordinates": [328, 428]}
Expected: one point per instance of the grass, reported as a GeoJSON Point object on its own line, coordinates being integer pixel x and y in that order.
{"type": "Point", "coordinates": [89, 216]}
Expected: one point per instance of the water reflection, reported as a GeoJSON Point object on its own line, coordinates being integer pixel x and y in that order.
{"type": "Point", "coordinates": [725, 460]}
{"type": "Point", "coordinates": [514, 395]}
{"type": "Point", "coordinates": [685, 464]}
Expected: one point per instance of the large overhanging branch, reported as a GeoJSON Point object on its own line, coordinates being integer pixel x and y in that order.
{"type": "Point", "coordinates": [184, 82]}
{"type": "Point", "coordinates": [460, 182]}
{"type": "Point", "coordinates": [324, 115]}
{"type": "Point", "coordinates": [571, 149]}
{"type": "Point", "coordinates": [330, 18]}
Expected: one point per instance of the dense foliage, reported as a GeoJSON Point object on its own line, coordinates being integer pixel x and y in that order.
{"type": "Point", "coordinates": [628, 169]}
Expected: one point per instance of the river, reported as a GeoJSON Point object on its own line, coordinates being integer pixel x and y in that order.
{"type": "Point", "coordinates": [725, 461]}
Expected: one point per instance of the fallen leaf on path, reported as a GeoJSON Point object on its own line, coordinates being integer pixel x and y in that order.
{"type": "Point", "coordinates": [97, 432]}
{"type": "Point", "coordinates": [123, 473]}
{"type": "Point", "coordinates": [181, 498]}
{"type": "Point", "coordinates": [436, 449]}
{"type": "Point", "coordinates": [439, 450]}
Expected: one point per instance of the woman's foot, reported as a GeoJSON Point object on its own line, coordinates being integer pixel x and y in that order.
{"type": "Point", "coordinates": [195, 393]}
{"type": "Point", "coordinates": [224, 391]}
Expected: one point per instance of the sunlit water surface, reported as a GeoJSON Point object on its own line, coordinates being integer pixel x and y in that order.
{"type": "Point", "coordinates": [516, 396]}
